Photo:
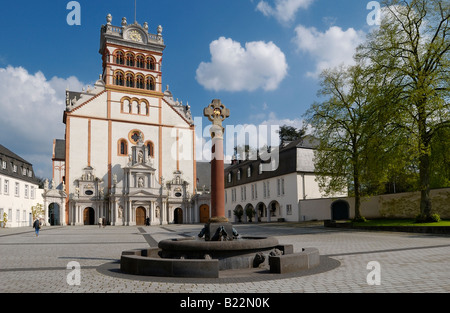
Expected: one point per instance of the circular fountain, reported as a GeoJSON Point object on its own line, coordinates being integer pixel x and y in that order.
{"type": "Point", "coordinates": [218, 246]}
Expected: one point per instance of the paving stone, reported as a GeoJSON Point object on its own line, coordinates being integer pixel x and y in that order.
{"type": "Point", "coordinates": [409, 263]}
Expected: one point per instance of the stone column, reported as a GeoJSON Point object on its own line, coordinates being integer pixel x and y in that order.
{"type": "Point", "coordinates": [216, 112]}
{"type": "Point", "coordinates": [217, 173]}
{"type": "Point", "coordinates": [218, 228]}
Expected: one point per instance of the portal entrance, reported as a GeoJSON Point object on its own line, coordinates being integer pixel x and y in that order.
{"type": "Point", "coordinates": [204, 213]}
{"type": "Point", "coordinates": [178, 216]}
{"type": "Point", "coordinates": [89, 216]}
{"type": "Point", "coordinates": [340, 210]}
{"type": "Point", "coordinates": [140, 216]}
{"type": "Point", "coordinates": [53, 214]}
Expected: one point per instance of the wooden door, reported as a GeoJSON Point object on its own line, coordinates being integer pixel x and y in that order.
{"type": "Point", "coordinates": [178, 216]}
{"type": "Point", "coordinates": [140, 216]}
{"type": "Point", "coordinates": [88, 216]}
{"type": "Point", "coordinates": [204, 213]}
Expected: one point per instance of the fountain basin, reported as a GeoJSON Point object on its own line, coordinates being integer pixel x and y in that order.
{"type": "Point", "coordinates": [235, 254]}
{"type": "Point", "coordinates": [193, 257]}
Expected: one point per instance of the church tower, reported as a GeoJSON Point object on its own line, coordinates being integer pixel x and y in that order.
{"type": "Point", "coordinates": [129, 146]}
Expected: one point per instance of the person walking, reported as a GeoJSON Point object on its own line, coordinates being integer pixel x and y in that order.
{"type": "Point", "coordinates": [37, 226]}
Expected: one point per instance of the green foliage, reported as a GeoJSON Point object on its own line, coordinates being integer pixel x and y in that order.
{"type": "Point", "coordinates": [37, 210]}
{"type": "Point", "coordinates": [348, 125]}
{"type": "Point", "coordinates": [359, 220]}
{"type": "Point", "coordinates": [238, 212]}
{"type": "Point", "coordinates": [290, 133]}
{"type": "Point", "coordinates": [401, 222]}
{"type": "Point", "coordinates": [411, 51]}
{"type": "Point", "coordinates": [5, 219]}
{"type": "Point", "coordinates": [433, 218]}
{"type": "Point", "coordinates": [250, 212]}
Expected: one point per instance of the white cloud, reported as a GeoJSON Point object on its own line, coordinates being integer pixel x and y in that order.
{"type": "Point", "coordinates": [31, 114]}
{"type": "Point", "coordinates": [236, 68]}
{"type": "Point", "coordinates": [330, 48]}
{"type": "Point", "coordinates": [284, 10]}
{"type": "Point", "coordinates": [272, 119]}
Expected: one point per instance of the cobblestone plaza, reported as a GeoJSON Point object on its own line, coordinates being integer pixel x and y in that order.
{"type": "Point", "coordinates": [408, 263]}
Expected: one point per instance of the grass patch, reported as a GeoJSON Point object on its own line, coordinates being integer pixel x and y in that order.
{"type": "Point", "coordinates": [400, 222]}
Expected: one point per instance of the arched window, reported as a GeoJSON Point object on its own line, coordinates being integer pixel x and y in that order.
{"type": "Point", "coordinates": [140, 81]}
{"type": "Point", "coordinates": [118, 78]}
{"type": "Point", "coordinates": [140, 61]}
{"type": "Point", "coordinates": [151, 64]}
{"type": "Point", "coordinates": [122, 147]}
{"type": "Point", "coordinates": [144, 108]}
{"type": "Point", "coordinates": [249, 171]}
{"type": "Point", "coordinates": [151, 149]}
{"type": "Point", "coordinates": [130, 59]}
{"type": "Point", "coordinates": [119, 57]}
{"type": "Point", "coordinates": [150, 83]}
{"type": "Point", "coordinates": [239, 174]}
{"type": "Point", "coordinates": [129, 80]}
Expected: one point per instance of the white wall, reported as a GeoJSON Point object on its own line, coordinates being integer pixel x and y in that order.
{"type": "Point", "coordinates": [18, 208]}
{"type": "Point", "coordinates": [400, 205]}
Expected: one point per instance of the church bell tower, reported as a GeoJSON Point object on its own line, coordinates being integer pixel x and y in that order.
{"type": "Point", "coordinates": [132, 57]}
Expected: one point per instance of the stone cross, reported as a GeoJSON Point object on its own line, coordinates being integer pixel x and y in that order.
{"type": "Point", "coordinates": [216, 112]}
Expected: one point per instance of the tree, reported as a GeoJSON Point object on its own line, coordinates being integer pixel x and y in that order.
{"type": "Point", "coordinates": [290, 133]}
{"type": "Point", "coordinates": [411, 50]}
{"type": "Point", "coordinates": [250, 212]}
{"type": "Point", "coordinates": [238, 212]}
{"type": "Point", "coordinates": [37, 210]}
{"type": "Point", "coordinates": [5, 219]}
{"type": "Point", "coordinates": [347, 132]}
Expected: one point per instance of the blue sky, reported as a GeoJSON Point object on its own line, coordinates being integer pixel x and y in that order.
{"type": "Point", "coordinates": [281, 46]}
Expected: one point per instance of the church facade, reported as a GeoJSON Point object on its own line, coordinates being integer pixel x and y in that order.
{"type": "Point", "coordinates": [128, 156]}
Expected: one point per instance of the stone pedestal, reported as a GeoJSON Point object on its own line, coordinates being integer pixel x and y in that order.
{"type": "Point", "coordinates": [219, 232]}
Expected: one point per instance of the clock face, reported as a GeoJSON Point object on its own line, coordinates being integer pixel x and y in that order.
{"type": "Point", "coordinates": [135, 36]}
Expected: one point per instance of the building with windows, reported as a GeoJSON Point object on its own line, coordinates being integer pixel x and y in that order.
{"type": "Point", "coordinates": [128, 153]}
{"type": "Point", "coordinates": [273, 189]}
{"type": "Point", "coordinates": [19, 189]}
